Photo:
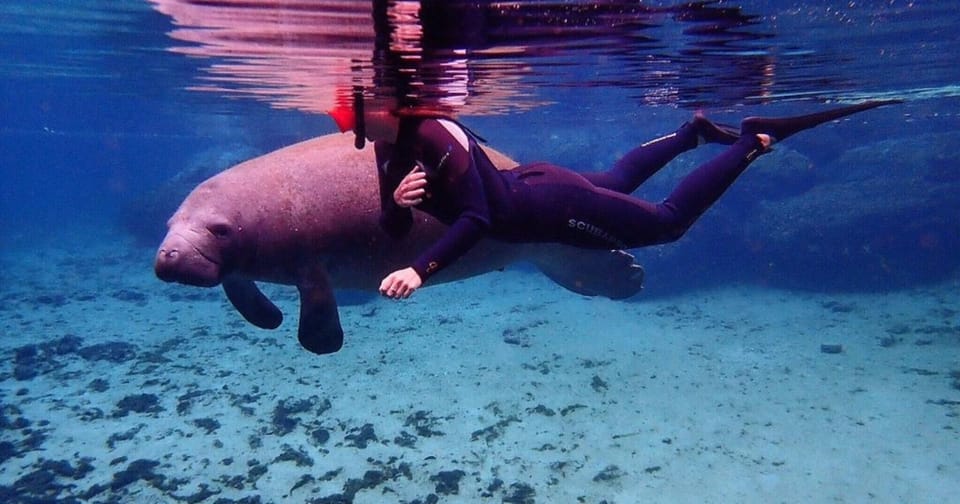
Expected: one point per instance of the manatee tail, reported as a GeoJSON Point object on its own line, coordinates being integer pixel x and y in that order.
{"type": "Point", "coordinates": [782, 127]}
{"type": "Point", "coordinates": [610, 273]}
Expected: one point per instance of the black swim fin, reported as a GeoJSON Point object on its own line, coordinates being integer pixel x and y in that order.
{"type": "Point", "coordinates": [782, 127]}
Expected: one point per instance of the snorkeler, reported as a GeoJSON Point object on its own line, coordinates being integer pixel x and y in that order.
{"type": "Point", "coordinates": [436, 165]}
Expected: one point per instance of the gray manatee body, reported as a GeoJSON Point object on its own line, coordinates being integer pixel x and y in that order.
{"type": "Point", "coordinates": [308, 215]}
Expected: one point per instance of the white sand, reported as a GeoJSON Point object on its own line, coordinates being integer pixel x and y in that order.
{"type": "Point", "coordinates": [717, 396]}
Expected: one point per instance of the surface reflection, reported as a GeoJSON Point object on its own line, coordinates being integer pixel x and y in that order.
{"type": "Point", "coordinates": [475, 57]}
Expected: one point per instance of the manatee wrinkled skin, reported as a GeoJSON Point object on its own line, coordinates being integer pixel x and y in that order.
{"type": "Point", "coordinates": [307, 215]}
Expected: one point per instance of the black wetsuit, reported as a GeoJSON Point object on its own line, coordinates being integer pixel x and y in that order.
{"type": "Point", "coordinates": [541, 202]}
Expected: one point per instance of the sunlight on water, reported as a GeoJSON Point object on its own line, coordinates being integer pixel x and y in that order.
{"type": "Point", "coordinates": [500, 56]}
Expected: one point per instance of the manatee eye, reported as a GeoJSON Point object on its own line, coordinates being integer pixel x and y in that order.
{"type": "Point", "coordinates": [220, 230]}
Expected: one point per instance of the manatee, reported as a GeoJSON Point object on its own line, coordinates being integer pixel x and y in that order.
{"type": "Point", "coordinates": [307, 215]}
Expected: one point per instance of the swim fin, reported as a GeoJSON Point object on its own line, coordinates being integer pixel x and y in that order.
{"type": "Point", "coordinates": [779, 128]}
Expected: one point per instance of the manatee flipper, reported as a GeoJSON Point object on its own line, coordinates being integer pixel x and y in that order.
{"type": "Point", "coordinates": [320, 330]}
{"type": "Point", "coordinates": [610, 273]}
{"type": "Point", "coordinates": [247, 298]}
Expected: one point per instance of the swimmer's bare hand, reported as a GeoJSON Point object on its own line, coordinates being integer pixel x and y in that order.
{"type": "Point", "coordinates": [400, 284]}
{"type": "Point", "coordinates": [412, 189]}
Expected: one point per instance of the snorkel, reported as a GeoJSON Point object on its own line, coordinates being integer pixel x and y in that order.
{"type": "Point", "coordinates": [359, 123]}
{"type": "Point", "coordinates": [351, 118]}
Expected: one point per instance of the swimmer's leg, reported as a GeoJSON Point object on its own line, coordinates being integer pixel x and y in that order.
{"type": "Point", "coordinates": [699, 190]}
{"type": "Point", "coordinates": [779, 128]}
{"type": "Point", "coordinates": [592, 217]}
{"type": "Point", "coordinates": [641, 163]}
{"type": "Point", "coordinates": [703, 187]}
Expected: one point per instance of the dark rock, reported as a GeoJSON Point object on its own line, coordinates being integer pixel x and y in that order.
{"type": "Point", "coordinates": [8, 450]}
{"type": "Point", "coordinates": [371, 479]}
{"type": "Point", "coordinates": [123, 436]}
{"type": "Point", "coordinates": [23, 372]}
{"type": "Point", "coordinates": [494, 431]}
{"type": "Point", "coordinates": [330, 475]}
{"type": "Point", "coordinates": [598, 384]}
{"type": "Point", "coordinates": [65, 469]}
{"type": "Point", "coordinates": [138, 403]}
{"type": "Point", "coordinates": [831, 348]}
{"type": "Point", "coordinates": [609, 473]}
{"type": "Point", "coordinates": [304, 480]}
{"type": "Point", "coordinates": [5, 410]}
{"type": "Point", "coordinates": [140, 469]}
{"type": "Point", "coordinates": [520, 493]}
{"type": "Point", "coordinates": [570, 409]}
{"type": "Point", "coordinates": [99, 385]}
{"type": "Point", "coordinates": [405, 439]}
{"type": "Point", "coordinates": [542, 410]}
{"type": "Point", "coordinates": [116, 352]}
{"type": "Point", "coordinates": [38, 482]}
{"type": "Point", "coordinates": [26, 362]}
{"type": "Point", "coordinates": [185, 401]}
{"type": "Point", "coordinates": [256, 471]}
{"type": "Point", "coordinates": [236, 482]}
{"type": "Point", "coordinates": [423, 423]}
{"type": "Point", "coordinates": [284, 421]}
{"type": "Point", "coordinates": [33, 441]}
{"type": "Point", "coordinates": [203, 494]}
{"type": "Point", "coordinates": [299, 457]}
{"type": "Point", "coordinates": [208, 424]}
{"type": "Point", "coordinates": [448, 482]}
{"type": "Point", "coordinates": [360, 437]}
{"type": "Point", "coordinates": [332, 499]}
{"type": "Point", "coordinates": [518, 337]}
{"type": "Point", "coordinates": [888, 341]}
{"type": "Point", "coordinates": [252, 499]}
{"type": "Point", "coordinates": [65, 345]}
{"type": "Point", "coordinates": [320, 436]}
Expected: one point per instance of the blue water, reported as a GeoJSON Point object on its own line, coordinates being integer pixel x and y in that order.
{"type": "Point", "coordinates": [100, 110]}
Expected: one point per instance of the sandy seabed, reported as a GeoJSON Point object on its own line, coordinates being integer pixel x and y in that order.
{"type": "Point", "coordinates": [117, 387]}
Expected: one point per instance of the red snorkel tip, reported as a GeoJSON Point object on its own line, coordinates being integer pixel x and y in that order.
{"type": "Point", "coordinates": [344, 117]}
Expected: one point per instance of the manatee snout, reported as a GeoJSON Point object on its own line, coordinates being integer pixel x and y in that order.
{"type": "Point", "coordinates": [180, 261]}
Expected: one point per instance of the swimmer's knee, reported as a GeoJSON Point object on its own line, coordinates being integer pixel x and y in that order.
{"type": "Point", "coordinates": [674, 233]}
{"type": "Point", "coordinates": [673, 229]}
{"type": "Point", "coordinates": [672, 224]}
